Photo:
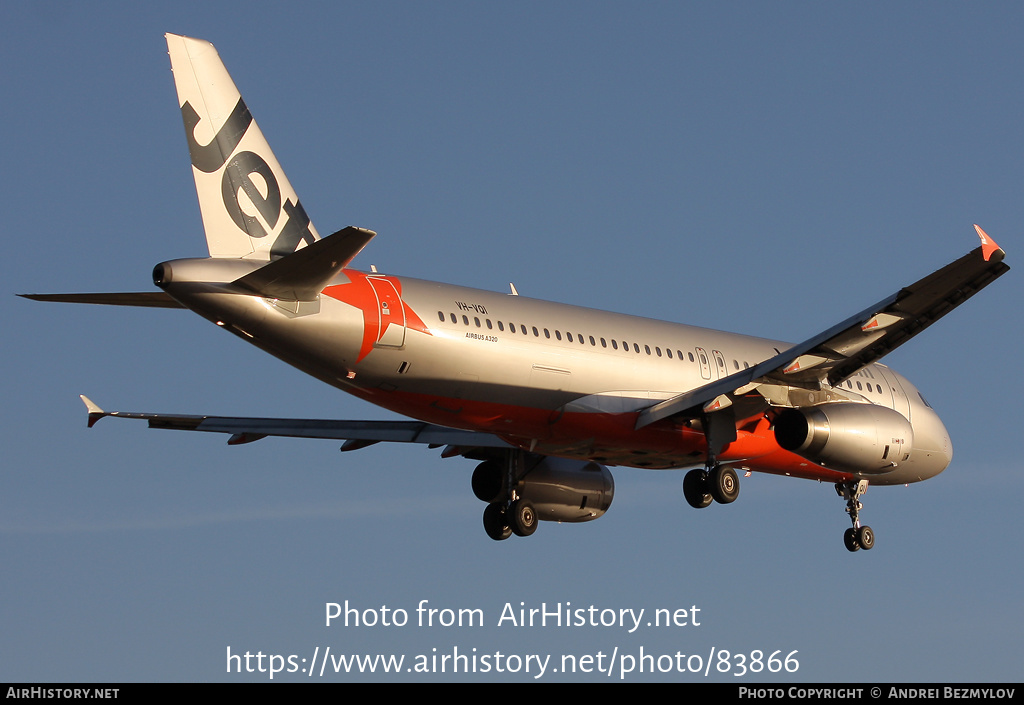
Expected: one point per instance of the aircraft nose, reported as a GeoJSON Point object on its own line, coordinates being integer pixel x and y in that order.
{"type": "Point", "coordinates": [933, 449]}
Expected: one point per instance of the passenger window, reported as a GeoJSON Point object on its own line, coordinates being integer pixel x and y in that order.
{"type": "Point", "coordinates": [454, 319]}
{"type": "Point", "coordinates": [465, 319]}
{"type": "Point", "coordinates": [501, 326]}
{"type": "Point", "coordinates": [604, 343]}
{"type": "Point", "coordinates": [536, 333]}
{"type": "Point", "coordinates": [476, 320]}
{"type": "Point", "coordinates": [636, 347]}
{"type": "Point", "coordinates": [615, 344]}
{"type": "Point", "coordinates": [440, 314]}
{"type": "Point", "coordinates": [489, 326]}
{"type": "Point", "coordinates": [558, 334]}
{"type": "Point", "coordinates": [547, 333]}
{"type": "Point", "coordinates": [668, 351]}
{"type": "Point", "coordinates": [592, 341]}
{"type": "Point", "coordinates": [657, 350]}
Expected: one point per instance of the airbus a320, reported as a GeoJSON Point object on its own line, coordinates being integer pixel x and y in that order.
{"type": "Point", "coordinates": [545, 396]}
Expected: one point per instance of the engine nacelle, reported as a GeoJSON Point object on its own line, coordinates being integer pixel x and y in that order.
{"type": "Point", "coordinates": [846, 436]}
{"type": "Point", "coordinates": [560, 489]}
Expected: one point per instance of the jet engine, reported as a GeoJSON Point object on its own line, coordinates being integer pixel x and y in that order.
{"type": "Point", "coordinates": [560, 489]}
{"type": "Point", "coordinates": [846, 436]}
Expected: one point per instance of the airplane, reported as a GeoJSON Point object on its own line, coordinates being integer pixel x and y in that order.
{"type": "Point", "coordinates": [544, 396]}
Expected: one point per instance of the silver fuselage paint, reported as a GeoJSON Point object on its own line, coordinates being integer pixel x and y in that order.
{"type": "Point", "coordinates": [519, 355]}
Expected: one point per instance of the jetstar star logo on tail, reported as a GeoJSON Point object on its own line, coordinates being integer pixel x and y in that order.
{"type": "Point", "coordinates": [385, 315]}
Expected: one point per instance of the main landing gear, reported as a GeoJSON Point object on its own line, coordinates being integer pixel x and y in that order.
{"type": "Point", "coordinates": [502, 519]}
{"type": "Point", "coordinates": [858, 536]}
{"type": "Point", "coordinates": [506, 513]}
{"type": "Point", "coordinates": [714, 482]}
{"type": "Point", "coordinates": [719, 483]}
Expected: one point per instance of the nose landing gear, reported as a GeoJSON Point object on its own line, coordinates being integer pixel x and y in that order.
{"type": "Point", "coordinates": [858, 536]}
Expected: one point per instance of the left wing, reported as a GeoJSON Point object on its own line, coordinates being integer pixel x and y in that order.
{"type": "Point", "coordinates": [833, 355]}
{"type": "Point", "coordinates": [356, 434]}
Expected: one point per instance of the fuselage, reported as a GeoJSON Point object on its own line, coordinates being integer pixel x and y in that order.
{"type": "Point", "coordinates": [551, 378]}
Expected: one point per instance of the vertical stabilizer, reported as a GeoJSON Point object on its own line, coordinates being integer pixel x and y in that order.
{"type": "Point", "coordinates": [249, 209]}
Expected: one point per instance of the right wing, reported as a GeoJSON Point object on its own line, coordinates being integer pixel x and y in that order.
{"type": "Point", "coordinates": [833, 355]}
{"type": "Point", "coordinates": [356, 434]}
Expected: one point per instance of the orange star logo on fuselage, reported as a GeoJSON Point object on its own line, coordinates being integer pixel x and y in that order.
{"type": "Point", "coordinates": [380, 300]}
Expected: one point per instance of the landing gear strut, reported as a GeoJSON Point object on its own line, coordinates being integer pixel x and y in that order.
{"type": "Point", "coordinates": [858, 536]}
{"type": "Point", "coordinates": [719, 483]}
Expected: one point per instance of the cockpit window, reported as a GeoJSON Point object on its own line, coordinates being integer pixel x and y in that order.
{"type": "Point", "coordinates": [924, 400]}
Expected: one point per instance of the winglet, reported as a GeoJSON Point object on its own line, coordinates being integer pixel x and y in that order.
{"type": "Point", "coordinates": [95, 412]}
{"type": "Point", "coordinates": [988, 245]}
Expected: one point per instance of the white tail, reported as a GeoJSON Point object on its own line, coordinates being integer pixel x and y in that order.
{"type": "Point", "coordinates": [249, 209]}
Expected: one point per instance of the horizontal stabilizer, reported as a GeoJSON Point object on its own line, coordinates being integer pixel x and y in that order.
{"type": "Point", "coordinates": [302, 275]}
{"type": "Point", "coordinates": [147, 299]}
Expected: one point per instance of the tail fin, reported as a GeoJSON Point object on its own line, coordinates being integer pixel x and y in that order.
{"type": "Point", "coordinates": [249, 209]}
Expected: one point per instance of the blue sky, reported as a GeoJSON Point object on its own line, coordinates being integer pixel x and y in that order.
{"type": "Point", "coordinates": [767, 168]}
